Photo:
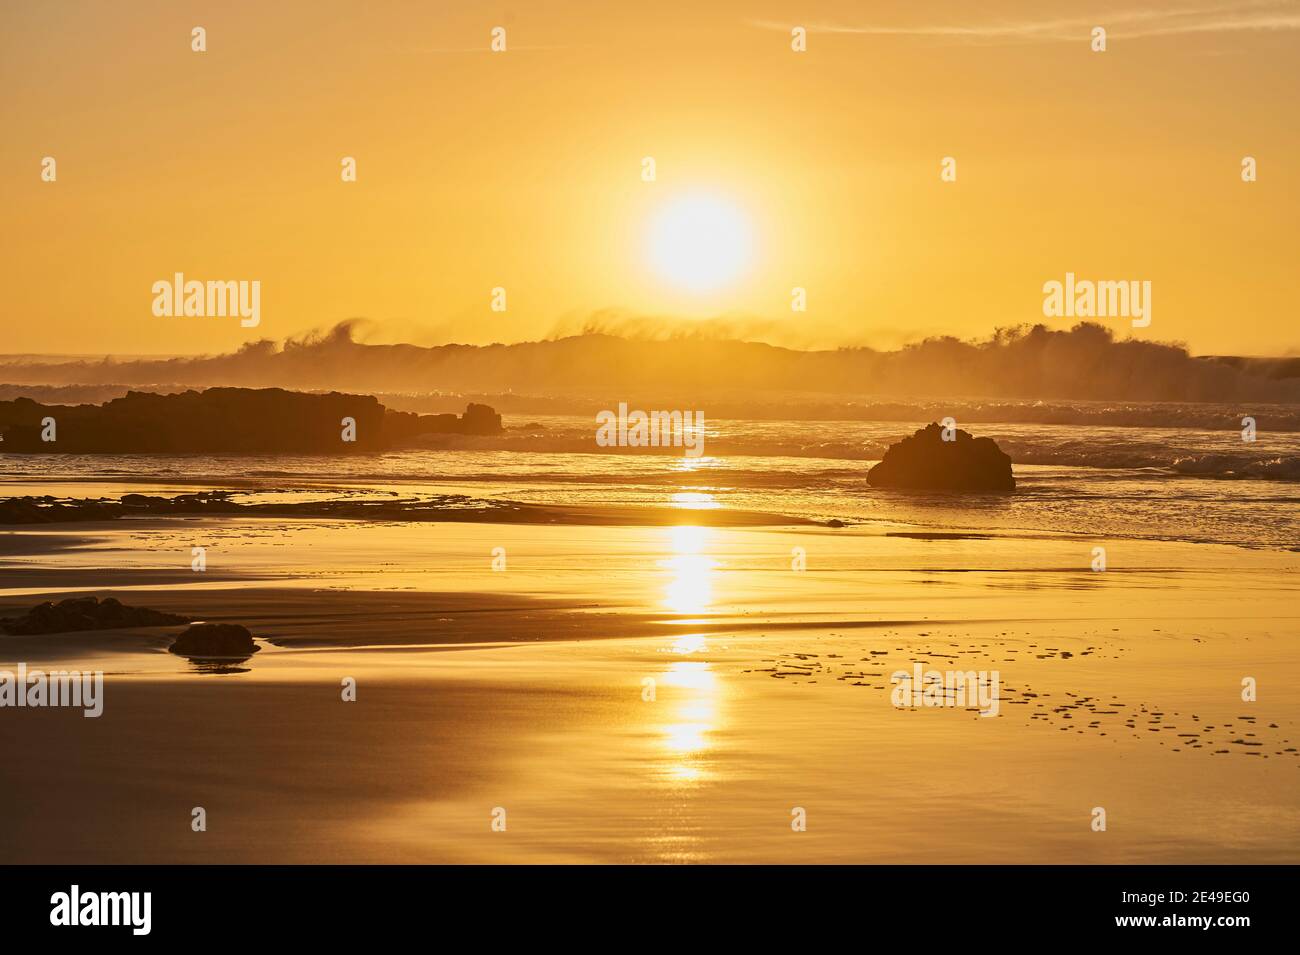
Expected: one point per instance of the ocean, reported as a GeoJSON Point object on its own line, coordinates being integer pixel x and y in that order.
{"type": "Point", "coordinates": [1191, 483]}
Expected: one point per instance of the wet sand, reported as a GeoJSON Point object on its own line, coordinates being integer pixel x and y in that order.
{"type": "Point", "coordinates": [771, 691]}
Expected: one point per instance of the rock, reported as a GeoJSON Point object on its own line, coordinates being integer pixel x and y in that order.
{"type": "Point", "coordinates": [926, 461]}
{"type": "Point", "coordinates": [406, 425]}
{"type": "Point", "coordinates": [227, 420]}
{"type": "Point", "coordinates": [20, 510]}
{"type": "Point", "coordinates": [215, 640]}
{"type": "Point", "coordinates": [480, 419]}
{"type": "Point", "coordinates": [47, 510]}
{"type": "Point", "coordinates": [143, 500]}
{"type": "Point", "coordinates": [86, 613]}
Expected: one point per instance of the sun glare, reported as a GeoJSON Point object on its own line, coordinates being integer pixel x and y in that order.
{"type": "Point", "coordinates": [700, 243]}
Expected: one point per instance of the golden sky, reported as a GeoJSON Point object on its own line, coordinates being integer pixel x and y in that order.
{"type": "Point", "coordinates": [523, 169]}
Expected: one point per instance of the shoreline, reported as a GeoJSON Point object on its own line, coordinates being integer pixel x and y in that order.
{"type": "Point", "coordinates": [772, 689]}
{"type": "Point", "coordinates": [33, 511]}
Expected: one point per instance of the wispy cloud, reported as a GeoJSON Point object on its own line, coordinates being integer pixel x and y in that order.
{"type": "Point", "coordinates": [1253, 15]}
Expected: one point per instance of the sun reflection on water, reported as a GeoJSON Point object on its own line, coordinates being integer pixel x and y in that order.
{"type": "Point", "coordinates": [695, 501]}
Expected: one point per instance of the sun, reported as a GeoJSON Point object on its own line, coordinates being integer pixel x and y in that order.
{"type": "Point", "coordinates": [700, 242]}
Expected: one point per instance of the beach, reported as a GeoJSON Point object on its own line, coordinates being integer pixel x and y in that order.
{"type": "Point", "coordinates": [658, 693]}
{"type": "Point", "coordinates": [575, 435]}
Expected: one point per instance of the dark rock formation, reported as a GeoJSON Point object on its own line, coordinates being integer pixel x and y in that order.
{"type": "Point", "coordinates": [215, 640]}
{"type": "Point", "coordinates": [86, 613]}
{"type": "Point", "coordinates": [225, 420]}
{"type": "Point", "coordinates": [926, 461]}
{"type": "Point", "coordinates": [477, 419]}
{"type": "Point", "coordinates": [47, 509]}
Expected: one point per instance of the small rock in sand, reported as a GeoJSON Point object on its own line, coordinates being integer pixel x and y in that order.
{"type": "Point", "coordinates": [215, 640]}
{"type": "Point", "coordinates": [86, 613]}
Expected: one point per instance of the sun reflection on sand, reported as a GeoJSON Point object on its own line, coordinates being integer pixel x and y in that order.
{"type": "Point", "coordinates": [690, 587]}
{"type": "Point", "coordinates": [691, 687]}
{"type": "Point", "coordinates": [690, 643]}
{"type": "Point", "coordinates": [694, 716]}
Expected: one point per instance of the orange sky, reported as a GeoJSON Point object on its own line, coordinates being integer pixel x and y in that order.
{"type": "Point", "coordinates": [523, 169]}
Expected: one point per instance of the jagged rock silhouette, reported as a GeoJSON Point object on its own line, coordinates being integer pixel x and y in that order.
{"type": "Point", "coordinates": [927, 462]}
